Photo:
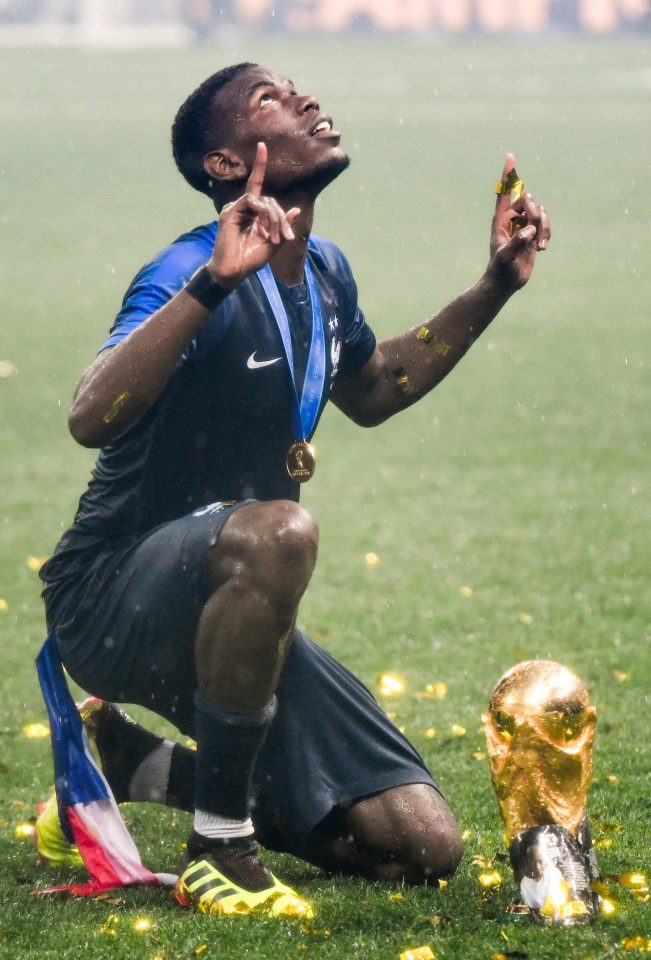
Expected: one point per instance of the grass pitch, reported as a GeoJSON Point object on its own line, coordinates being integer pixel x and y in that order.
{"type": "Point", "coordinates": [524, 478]}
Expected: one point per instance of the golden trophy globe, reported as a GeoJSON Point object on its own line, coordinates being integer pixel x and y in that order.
{"type": "Point", "coordinates": [539, 729]}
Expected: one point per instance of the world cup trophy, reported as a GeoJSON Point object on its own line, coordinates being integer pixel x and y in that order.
{"type": "Point", "coordinates": [539, 729]}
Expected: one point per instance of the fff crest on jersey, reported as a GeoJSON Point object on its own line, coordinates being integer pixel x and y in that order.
{"type": "Point", "coordinates": [301, 461]}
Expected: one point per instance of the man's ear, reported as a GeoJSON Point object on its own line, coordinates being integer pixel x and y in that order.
{"type": "Point", "coordinates": [225, 166]}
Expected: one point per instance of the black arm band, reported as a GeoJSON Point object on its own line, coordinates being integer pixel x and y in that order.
{"type": "Point", "coordinates": [204, 289]}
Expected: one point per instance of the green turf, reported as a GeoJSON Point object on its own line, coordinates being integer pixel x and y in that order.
{"type": "Point", "coordinates": [526, 476]}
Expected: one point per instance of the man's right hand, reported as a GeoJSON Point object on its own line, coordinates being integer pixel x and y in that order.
{"type": "Point", "coordinates": [250, 230]}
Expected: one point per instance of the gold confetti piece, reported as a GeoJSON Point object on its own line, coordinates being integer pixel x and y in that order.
{"type": "Point", "coordinates": [432, 340]}
{"type": "Point", "coordinates": [396, 896]}
{"type": "Point", "coordinates": [433, 691]}
{"type": "Point", "coordinates": [638, 942]}
{"type": "Point", "coordinates": [466, 591]}
{"type": "Point", "coordinates": [391, 685]}
{"type": "Point", "coordinates": [372, 559]}
{"type": "Point", "coordinates": [115, 407]}
{"type": "Point", "coordinates": [36, 731]}
{"type": "Point", "coordinates": [612, 778]}
{"type": "Point", "coordinates": [35, 563]}
{"type": "Point", "coordinates": [498, 956]}
{"type": "Point", "coordinates": [3, 604]}
{"type": "Point", "coordinates": [457, 730]}
{"type": "Point", "coordinates": [607, 907]}
{"type": "Point", "coordinates": [418, 953]}
{"type": "Point", "coordinates": [430, 733]}
{"type": "Point", "coordinates": [403, 383]}
{"type": "Point", "coordinates": [25, 831]}
{"type": "Point", "coordinates": [632, 879]}
{"type": "Point", "coordinates": [142, 924]}
{"type": "Point", "coordinates": [601, 888]}
{"type": "Point", "coordinates": [479, 755]}
{"type": "Point", "coordinates": [190, 744]}
{"type": "Point", "coordinates": [466, 835]}
{"type": "Point", "coordinates": [443, 884]}
{"type": "Point", "coordinates": [490, 880]}
{"type": "Point", "coordinates": [621, 676]}
{"type": "Point", "coordinates": [525, 618]}
{"type": "Point", "coordinates": [436, 920]}
{"type": "Point", "coordinates": [201, 949]}
{"type": "Point", "coordinates": [609, 827]}
{"type": "Point", "coordinates": [604, 843]}
{"type": "Point", "coordinates": [512, 185]}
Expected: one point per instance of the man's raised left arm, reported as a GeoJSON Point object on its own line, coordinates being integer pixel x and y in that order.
{"type": "Point", "coordinates": [405, 367]}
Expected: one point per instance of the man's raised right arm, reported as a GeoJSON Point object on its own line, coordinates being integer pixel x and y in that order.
{"type": "Point", "coordinates": [125, 381]}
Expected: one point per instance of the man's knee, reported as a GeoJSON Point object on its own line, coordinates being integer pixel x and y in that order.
{"type": "Point", "coordinates": [435, 856]}
{"type": "Point", "coordinates": [409, 833]}
{"type": "Point", "coordinates": [273, 545]}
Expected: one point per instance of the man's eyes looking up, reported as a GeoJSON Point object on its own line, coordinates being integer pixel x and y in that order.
{"type": "Point", "coordinates": [268, 98]}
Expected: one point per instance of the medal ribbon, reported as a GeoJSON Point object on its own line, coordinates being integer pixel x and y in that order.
{"type": "Point", "coordinates": [306, 410]}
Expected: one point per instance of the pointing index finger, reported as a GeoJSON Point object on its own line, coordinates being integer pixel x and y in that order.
{"type": "Point", "coordinates": [256, 179]}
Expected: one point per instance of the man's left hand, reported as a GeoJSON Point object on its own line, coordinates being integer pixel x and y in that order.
{"type": "Point", "coordinates": [513, 256]}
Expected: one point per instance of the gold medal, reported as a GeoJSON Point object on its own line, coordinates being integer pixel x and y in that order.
{"type": "Point", "coordinates": [300, 461]}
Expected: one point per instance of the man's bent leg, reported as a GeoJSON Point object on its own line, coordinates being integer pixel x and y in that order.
{"type": "Point", "coordinates": [257, 573]}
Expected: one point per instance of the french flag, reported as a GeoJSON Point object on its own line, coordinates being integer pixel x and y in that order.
{"type": "Point", "coordinates": [89, 815]}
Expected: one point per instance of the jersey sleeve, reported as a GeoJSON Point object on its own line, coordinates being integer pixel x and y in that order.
{"type": "Point", "coordinates": [157, 282]}
{"type": "Point", "coordinates": [357, 338]}
{"type": "Point", "coordinates": [358, 343]}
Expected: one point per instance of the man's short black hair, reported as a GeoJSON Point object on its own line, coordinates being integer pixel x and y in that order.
{"type": "Point", "coordinates": [195, 129]}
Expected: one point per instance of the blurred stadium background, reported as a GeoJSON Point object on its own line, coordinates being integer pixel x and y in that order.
{"type": "Point", "coordinates": [174, 22]}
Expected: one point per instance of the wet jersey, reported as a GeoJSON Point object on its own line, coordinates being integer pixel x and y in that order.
{"type": "Point", "coordinates": [221, 428]}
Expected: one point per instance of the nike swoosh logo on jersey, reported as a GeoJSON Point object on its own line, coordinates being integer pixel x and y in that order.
{"type": "Point", "coordinates": [254, 364]}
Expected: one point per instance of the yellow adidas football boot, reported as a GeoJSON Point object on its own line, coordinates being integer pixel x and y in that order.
{"type": "Point", "coordinates": [209, 883]}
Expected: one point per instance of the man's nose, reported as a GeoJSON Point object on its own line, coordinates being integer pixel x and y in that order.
{"type": "Point", "coordinates": [308, 103]}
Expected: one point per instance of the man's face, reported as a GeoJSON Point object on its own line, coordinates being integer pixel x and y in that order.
{"type": "Point", "coordinates": [302, 144]}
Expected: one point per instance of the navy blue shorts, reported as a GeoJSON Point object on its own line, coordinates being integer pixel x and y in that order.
{"type": "Point", "coordinates": [126, 632]}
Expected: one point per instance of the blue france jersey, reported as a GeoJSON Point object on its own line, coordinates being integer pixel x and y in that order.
{"type": "Point", "coordinates": [221, 428]}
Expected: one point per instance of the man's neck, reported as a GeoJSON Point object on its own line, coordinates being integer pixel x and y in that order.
{"type": "Point", "coordinates": [288, 263]}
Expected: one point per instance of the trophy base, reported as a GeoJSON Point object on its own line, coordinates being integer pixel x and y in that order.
{"type": "Point", "coordinates": [554, 872]}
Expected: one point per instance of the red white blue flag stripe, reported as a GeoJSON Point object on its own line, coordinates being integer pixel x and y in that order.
{"type": "Point", "coordinates": [88, 813]}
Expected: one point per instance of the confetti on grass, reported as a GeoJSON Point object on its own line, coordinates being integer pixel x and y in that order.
{"type": "Point", "coordinates": [391, 685]}
{"type": "Point", "coordinates": [418, 953]}
{"type": "Point", "coordinates": [36, 731]}
{"type": "Point", "coordinates": [637, 942]}
{"type": "Point", "coordinates": [433, 691]}
{"type": "Point", "coordinates": [490, 880]}
{"type": "Point", "coordinates": [26, 830]}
